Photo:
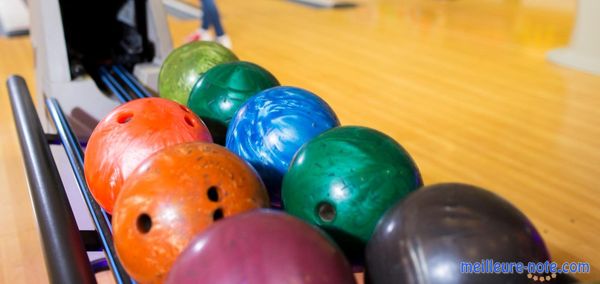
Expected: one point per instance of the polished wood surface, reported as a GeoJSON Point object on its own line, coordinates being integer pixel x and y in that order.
{"type": "Point", "coordinates": [463, 85]}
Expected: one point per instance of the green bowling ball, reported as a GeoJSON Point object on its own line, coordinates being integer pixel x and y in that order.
{"type": "Point", "coordinates": [345, 179]}
{"type": "Point", "coordinates": [222, 90]}
{"type": "Point", "coordinates": [184, 65]}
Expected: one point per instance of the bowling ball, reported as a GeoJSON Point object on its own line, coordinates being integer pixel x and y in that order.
{"type": "Point", "coordinates": [130, 134]}
{"type": "Point", "coordinates": [271, 126]}
{"type": "Point", "coordinates": [184, 65]}
{"type": "Point", "coordinates": [174, 195]}
{"type": "Point", "coordinates": [261, 247]}
{"type": "Point", "coordinates": [425, 237]}
{"type": "Point", "coordinates": [345, 179]}
{"type": "Point", "coordinates": [221, 91]}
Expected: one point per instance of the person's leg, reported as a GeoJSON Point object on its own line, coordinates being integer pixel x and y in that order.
{"type": "Point", "coordinates": [215, 19]}
{"type": "Point", "coordinates": [211, 18]}
{"type": "Point", "coordinates": [210, 9]}
{"type": "Point", "coordinates": [207, 13]}
{"type": "Point", "coordinates": [202, 33]}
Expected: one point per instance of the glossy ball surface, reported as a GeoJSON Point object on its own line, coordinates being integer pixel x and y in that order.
{"type": "Point", "coordinates": [271, 126]}
{"type": "Point", "coordinates": [222, 90]}
{"type": "Point", "coordinates": [130, 134]}
{"type": "Point", "coordinates": [345, 179]}
{"type": "Point", "coordinates": [185, 64]}
{"type": "Point", "coordinates": [261, 247]}
{"type": "Point", "coordinates": [174, 195]}
{"type": "Point", "coordinates": [425, 237]}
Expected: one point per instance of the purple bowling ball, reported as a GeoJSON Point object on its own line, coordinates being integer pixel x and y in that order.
{"type": "Point", "coordinates": [261, 247]}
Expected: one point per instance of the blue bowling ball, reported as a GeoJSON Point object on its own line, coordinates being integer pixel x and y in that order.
{"type": "Point", "coordinates": [271, 126]}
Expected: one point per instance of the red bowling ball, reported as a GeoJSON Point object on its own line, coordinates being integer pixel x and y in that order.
{"type": "Point", "coordinates": [261, 247]}
{"type": "Point", "coordinates": [131, 133]}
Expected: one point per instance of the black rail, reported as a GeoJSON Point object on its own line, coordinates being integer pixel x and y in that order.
{"type": "Point", "coordinates": [54, 139]}
{"type": "Point", "coordinates": [64, 250]}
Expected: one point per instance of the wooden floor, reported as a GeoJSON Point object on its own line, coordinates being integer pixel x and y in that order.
{"type": "Point", "coordinates": [463, 84]}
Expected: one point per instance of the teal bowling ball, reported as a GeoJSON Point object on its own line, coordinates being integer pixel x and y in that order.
{"type": "Point", "coordinates": [222, 90]}
{"type": "Point", "coordinates": [345, 179]}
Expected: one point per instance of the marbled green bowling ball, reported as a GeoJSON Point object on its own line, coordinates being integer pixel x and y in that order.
{"type": "Point", "coordinates": [222, 90]}
{"type": "Point", "coordinates": [184, 65]}
{"type": "Point", "coordinates": [345, 179]}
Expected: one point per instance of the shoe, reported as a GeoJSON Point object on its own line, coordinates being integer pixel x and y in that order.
{"type": "Point", "coordinates": [199, 34]}
{"type": "Point", "coordinates": [225, 41]}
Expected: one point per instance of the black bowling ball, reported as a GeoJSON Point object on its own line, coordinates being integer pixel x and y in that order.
{"type": "Point", "coordinates": [425, 237]}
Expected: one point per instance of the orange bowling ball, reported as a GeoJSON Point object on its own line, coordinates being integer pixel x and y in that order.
{"type": "Point", "coordinates": [130, 134]}
{"type": "Point", "coordinates": [174, 195]}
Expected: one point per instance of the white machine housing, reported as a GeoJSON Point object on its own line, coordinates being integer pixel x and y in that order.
{"type": "Point", "coordinates": [80, 98]}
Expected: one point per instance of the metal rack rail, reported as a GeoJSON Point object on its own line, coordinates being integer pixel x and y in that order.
{"type": "Point", "coordinates": [63, 243]}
